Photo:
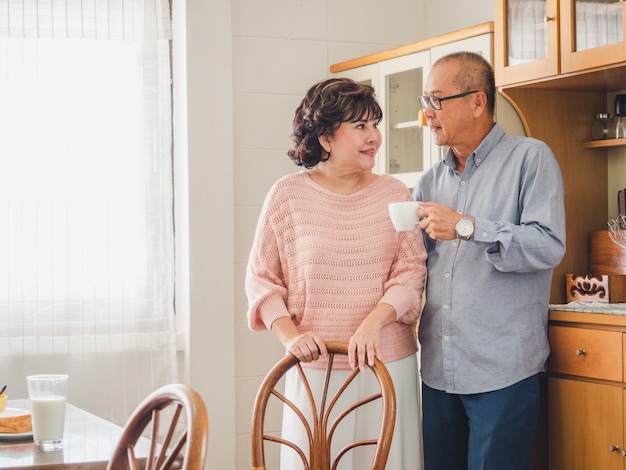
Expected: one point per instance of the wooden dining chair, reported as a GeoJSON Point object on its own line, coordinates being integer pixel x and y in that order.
{"type": "Point", "coordinates": [173, 443]}
{"type": "Point", "coordinates": [320, 430]}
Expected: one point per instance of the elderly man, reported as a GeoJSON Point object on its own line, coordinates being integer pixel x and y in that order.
{"type": "Point", "coordinates": [494, 224]}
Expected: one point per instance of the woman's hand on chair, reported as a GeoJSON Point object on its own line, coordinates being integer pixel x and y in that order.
{"type": "Point", "coordinates": [364, 346]}
{"type": "Point", "coordinates": [307, 347]}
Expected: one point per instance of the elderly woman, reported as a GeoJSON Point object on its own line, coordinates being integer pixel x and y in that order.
{"type": "Point", "coordinates": [327, 265]}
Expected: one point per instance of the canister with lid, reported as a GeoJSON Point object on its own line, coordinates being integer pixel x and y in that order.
{"type": "Point", "coordinates": [599, 129]}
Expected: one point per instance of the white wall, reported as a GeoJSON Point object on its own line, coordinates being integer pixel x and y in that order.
{"type": "Point", "coordinates": [444, 16]}
{"type": "Point", "coordinates": [246, 66]}
{"type": "Point", "coordinates": [204, 226]}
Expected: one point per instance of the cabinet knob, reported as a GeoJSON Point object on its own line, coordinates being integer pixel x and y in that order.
{"type": "Point", "coordinates": [614, 448]}
{"type": "Point", "coordinates": [581, 352]}
{"type": "Point", "coordinates": [623, 453]}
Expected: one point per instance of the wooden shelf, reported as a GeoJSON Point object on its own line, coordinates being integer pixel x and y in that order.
{"type": "Point", "coordinates": [592, 144]}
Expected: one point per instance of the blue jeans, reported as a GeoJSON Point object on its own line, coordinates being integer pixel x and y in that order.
{"type": "Point", "coordinates": [484, 431]}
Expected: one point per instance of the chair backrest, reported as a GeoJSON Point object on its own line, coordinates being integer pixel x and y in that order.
{"type": "Point", "coordinates": [320, 431]}
{"type": "Point", "coordinates": [173, 443]}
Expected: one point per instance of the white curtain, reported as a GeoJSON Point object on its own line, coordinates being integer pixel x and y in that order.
{"type": "Point", "coordinates": [86, 223]}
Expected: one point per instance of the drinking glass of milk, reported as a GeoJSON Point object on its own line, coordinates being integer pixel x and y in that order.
{"type": "Point", "coordinates": [47, 394]}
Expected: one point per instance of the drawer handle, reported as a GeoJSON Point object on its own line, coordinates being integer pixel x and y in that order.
{"type": "Point", "coordinates": [613, 448]}
{"type": "Point", "coordinates": [547, 19]}
{"type": "Point", "coordinates": [581, 352]}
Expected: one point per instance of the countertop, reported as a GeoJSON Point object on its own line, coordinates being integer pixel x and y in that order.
{"type": "Point", "coordinates": [589, 312]}
{"type": "Point", "coordinates": [591, 307]}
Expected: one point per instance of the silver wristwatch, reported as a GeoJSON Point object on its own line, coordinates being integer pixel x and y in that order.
{"type": "Point", "coordinates": [464, 228]}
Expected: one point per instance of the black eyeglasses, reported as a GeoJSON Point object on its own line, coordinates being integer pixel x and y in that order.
{"type": "Point", "coordinates": [436, 102]}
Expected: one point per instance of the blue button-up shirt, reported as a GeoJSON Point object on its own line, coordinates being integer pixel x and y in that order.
{"type": "Point", "coordinates": [484, 324]}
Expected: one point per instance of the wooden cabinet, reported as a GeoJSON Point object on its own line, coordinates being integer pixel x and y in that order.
{"type": "Point", "coordinates": [558, 87]}
{"type": "Point", "coordinates": [586, 391]}
{"type": "Point", "coordinates": [559, 108]}
{"type": "Point", "coordinates": [544, 38]}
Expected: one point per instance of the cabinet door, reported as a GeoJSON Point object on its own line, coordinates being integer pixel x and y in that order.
{"type": "Point", "coordinates": [585, 425]}
{"type": "Point", "coordinates": [405, 152]}
{"type": "Point", "coordinates": [526, 40]}
{"type": "Point", "coordinates": [592, 33]}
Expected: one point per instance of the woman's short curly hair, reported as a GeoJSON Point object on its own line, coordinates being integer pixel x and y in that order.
{"type": "Point", "coordinates": [322, 110]}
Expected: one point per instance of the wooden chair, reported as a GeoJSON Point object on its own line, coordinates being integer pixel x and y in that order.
{"type": "Point", "coordinates": [320, 431]}
{"type": "Point", "coordinates": [190, 449]}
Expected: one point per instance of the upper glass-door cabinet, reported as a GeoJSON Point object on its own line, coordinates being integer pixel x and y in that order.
{"type": "Point", "coordinates": [592, 33]}
{"type": "Point", "coordinates": [528, 34]}
{"type": "Point", "coordinates": [405, 152]}
{"type": "Point", "coordinates": [526, 40]}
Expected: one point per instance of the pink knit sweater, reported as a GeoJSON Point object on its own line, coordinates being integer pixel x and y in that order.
{"type": "Point", "coordinates": [327, 260]}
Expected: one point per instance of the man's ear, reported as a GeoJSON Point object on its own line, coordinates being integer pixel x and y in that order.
{"type": "Point", "coordinates": [480, 101]}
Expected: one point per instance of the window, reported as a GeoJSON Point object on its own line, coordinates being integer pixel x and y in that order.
{"type": "Point", "coordinates": [86, 223]}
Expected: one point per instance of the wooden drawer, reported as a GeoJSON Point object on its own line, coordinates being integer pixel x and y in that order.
{"type": "Point", "coordinates": [586, 352]}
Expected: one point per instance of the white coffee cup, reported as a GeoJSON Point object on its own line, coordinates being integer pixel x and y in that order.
{"type": "Point", "coordinates": [404, 215]}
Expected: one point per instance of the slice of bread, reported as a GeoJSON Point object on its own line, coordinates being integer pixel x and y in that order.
{"type": "Point", "coordinates": [15, 421]}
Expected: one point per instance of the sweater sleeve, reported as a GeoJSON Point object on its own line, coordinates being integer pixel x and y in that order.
{"type": "Point", "coordinates": [404, 288]}
{"type": "Point", "coordinates": [265, 286]}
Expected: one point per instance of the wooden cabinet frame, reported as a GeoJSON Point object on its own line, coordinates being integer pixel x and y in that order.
{"type": "Point", "coordinates": [547, 67]}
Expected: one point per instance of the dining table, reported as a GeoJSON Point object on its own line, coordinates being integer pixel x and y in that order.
{"type": "Point", "coordinates": [88, 443]}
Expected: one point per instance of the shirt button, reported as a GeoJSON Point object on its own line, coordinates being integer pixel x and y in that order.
{"type": "Point", "coordinates": [455, 243]}
{"type": "Point", "coordinates": [484, 234]}
{"type": "Point", "coordinates": [446, 275]}
{"type": "Point", "coordinates": [462, 183]}
{"type": "Point", "coordinates": [445, 338]}
{"type": "Point", "coordinates": [445, 307]}
{"type": "Point", "coordinates": [478, 160]}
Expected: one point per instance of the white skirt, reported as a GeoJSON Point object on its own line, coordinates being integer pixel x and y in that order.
{"type": "Point", "coordinates": [406, 446]}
